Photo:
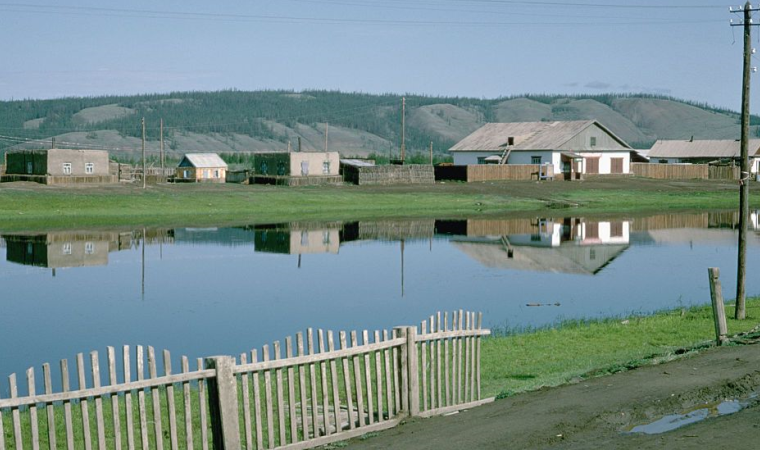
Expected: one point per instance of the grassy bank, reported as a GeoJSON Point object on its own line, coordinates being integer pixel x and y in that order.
{"type": "Point", "coordinates": [27, 206]}
{"type": "Point", "coordinates": [573, 350]}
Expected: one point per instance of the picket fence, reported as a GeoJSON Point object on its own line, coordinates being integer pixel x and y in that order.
{"type": "Point", "coordinates": [326, 388]}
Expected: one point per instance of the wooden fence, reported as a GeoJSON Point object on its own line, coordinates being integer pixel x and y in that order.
{"type": "Point", "coordinates": [685, 171]}
{"type": "Point", "coordinates": [326, 388]}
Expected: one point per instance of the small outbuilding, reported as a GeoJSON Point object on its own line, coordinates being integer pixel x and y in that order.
{"type": "Point", "coordinates": [58, 166]}
{"type": "Point", "coordinates": [297, 168]}
{"type": "Point", "coordinates": [702, 151]}
{"type": "Point", "coordinates": [202, 168]}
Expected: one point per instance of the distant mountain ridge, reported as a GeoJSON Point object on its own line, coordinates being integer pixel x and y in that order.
{"type": "Point", "coordinates": [359, 124]}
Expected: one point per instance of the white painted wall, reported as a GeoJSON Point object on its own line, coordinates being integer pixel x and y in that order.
{"type": "Point", "coordinates": [605, 161]}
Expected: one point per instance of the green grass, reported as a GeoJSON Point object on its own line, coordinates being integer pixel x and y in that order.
{"type": "Point", "coordinates": [70, 208]}
{"type": "Point", "coordinates": [513, 363]}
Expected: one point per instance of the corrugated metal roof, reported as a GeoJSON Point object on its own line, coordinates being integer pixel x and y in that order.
{"type": "Point", "coordinates": [202, 160]}
{"type": "Point", "coordinates": [527, 135]}
{"type": "Point", "coordinates": [701, 149]}
{"type": "Point", "coordinates": [357, 162]}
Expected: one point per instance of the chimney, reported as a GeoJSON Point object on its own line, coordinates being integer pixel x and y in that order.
{"type": "Point", "coordinates": [511, 141]}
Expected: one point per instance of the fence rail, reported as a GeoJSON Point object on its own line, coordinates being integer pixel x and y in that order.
{"type": "Point", "coordinates": [685, 171]}
{"type": "Point", "coordinates": [326, 387]}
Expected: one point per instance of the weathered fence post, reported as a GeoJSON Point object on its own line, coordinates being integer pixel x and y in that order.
{"type": "Point", "coordinates": [719, 311]}
{"type": "Point", "coordinates": [223, 400]}
{"type": "Point", "coordinates": [414, 373]}
{"type": "Point", "coordinates": [403, 363]}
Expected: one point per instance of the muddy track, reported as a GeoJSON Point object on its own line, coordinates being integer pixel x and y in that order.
{"type": "Point", "coordinates": [596, 413]}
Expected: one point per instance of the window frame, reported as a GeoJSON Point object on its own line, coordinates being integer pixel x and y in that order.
{"type": "Point", "coordinates": [89, 168]}
{"type": "Point", "coordinates": [67, 168]}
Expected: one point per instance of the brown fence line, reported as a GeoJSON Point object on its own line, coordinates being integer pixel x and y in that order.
{"type": "Point", "coordinates": [492, 172]}
{"type": "Point", "coordinates": [315, 395]}
{"type": "Point", "coordinates": [685, 171]}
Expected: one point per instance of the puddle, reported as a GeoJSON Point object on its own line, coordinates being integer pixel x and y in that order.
{"type": "Point", "coordinates": [673, 421]}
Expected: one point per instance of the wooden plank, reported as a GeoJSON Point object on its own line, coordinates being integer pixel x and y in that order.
{"type": "Point", "coordinates": [69, 423]}
{"type": "Point", "coordinates": [368, 380]}
{"type": "Point", "coordinates": [358, 382]}
{"type": "Point", "coordinates": [460, 407]}
{"type": "Point", "coordinates": [473, 355]}
{"type": "Point", "coordinates": [202, 406]}
{"type": "Point", "coordinates": [309, 359]}
{"type": "Point", "coordinates": [170, 404]}
{"type": "Point", "coordinates": [33, 419]}
{"type": "Point", "coordinates": [83, 403]}
{"type": "Point", "coordinates": [438, 346]}
{"type": "Point", "coordinates": [257, 404]}
{"type": "Point", "coordinates": [100, 423]}
{"type": "Point", "coordinates": [431, 394]}
{"type": "Point", "coordinates": [396, 370]}
{"type": "Point", "coordinates": [477, 350]}
{"type": "Point", "coordinates": [313, 384]}
{"type": "Point", "coordinates": [113, 381]}
{"type": "Point", "coordinates": [460, 360]}
{"type": "Point", "coordinates": [15, 415]}
{"type": "Point", "coordinates": [246, 404]}
{"type": "Point", "coordinates": [342, 436]}
{"type": "Point", "coordinates": [157, 425]}
{"type": "Point", "coordinates": [268, 398]}
{"type": "Point", "coordinates": [388, 378]}
{"type": "Point", "coordinates": [188, 406]}
{"type": "Point", "coordinates": [2, 431]}
{"type": "Point", "coordinates": [379, 379]}
{"type": "Point", "coordinates": [454, 361]}
{"type": "Point", "coordinates": [466, 358]}
{"type": "Point", "coordinates": [128, 399]}
{"type": "Point", "coordinates": [334, 379]}
{"type": "Point", "coordinates": [413, 371]}
{"type": "Point", "coordinates": [324, 390]}
{"type": "Point", "coordinates": [423, 369]}
{"type": "Point", "coordinates": [50, 410]}
{"type": "Point", "coordinates": [142, 411]}
{"type": "Point", "coordinates": [291, 393]}
{"type": "Point", "coordinates": [280, 399]}
{"type": "Point", "coordinates": [347, 383]}
{"type": "Point", "coordinates": [446, 363]}
{"type": "Point", "coordinates": [302, 389]}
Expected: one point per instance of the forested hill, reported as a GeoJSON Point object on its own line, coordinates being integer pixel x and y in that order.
{"type": "Point", "coordinates": [359, 124]}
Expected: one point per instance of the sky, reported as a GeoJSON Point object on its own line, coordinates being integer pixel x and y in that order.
{"type": "Point", "coordinates": [469, 48]}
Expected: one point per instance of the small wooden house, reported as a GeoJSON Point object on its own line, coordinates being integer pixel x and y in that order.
{"type": "Point", "coordinates": [202, 168]}
{"type": "Point", "coordinates": [58, 166]}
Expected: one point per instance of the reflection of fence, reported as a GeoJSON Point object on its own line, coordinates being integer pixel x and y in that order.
{"type": "Point", "coordinates": [323, 390]}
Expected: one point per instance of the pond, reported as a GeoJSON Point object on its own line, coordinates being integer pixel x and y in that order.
{"type": "Point", "coordinates": [202, 292]}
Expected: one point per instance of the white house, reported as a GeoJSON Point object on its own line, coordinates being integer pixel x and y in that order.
{"type": "Point", "coordinates": [573, 148]}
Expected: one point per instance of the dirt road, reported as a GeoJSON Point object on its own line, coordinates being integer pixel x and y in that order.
{"type": "Point", "coordinates": [594, 414]}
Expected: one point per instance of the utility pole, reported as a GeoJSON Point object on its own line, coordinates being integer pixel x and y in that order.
{"type": "Point", "coordinates": [741, 271]}
{"type": "Point", "coordinates": [431, 153]}
{"type": "Point", "coordinates": [143, 153]}
{"type": "Point", "coordinates": [52, 144]}
{"type": "Point", "coordinates": [403, 129]}
{"type": "Point", "coordinates": [327, 131]}
{"type": "Point", "coordinates": [162, 146]}
{"type": "Point", "coordinates": [299, 144]}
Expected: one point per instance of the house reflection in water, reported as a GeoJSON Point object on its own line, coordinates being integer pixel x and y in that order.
{"type": "Point", "coordinates": [568, 245]}
{"type": "Point", "coordinates": [74, 249]}
{"type": "Point", "coordinates": [297, 239]}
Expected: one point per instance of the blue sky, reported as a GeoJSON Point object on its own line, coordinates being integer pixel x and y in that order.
{"type": "Point", "coordinates": [486, 48]}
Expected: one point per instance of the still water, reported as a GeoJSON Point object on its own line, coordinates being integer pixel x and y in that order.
{"type": "Point", "coordinates": [201, 292]}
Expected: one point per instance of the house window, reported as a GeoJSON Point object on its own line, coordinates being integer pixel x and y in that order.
{"type": "Point", "coordinates": [592, 231]}
{"type": "Point", "coordinates": [592, 165]}
{"type": "Point", "coordinates": [216, 173]}
{"type": "Point", "coordinates": [281, 168]}
{"type": "Point", "coordinates": [304, 168]}
{"type": "Point", "coordinates": [89, 168]}
{"type": "Point", "coordinates": [67, 168]}
{"type": "Point", "coordinates": [66, 249]}
{"type": "Point", "coordinates": [185, 174]}
{"type": "Point", "coordinates": [616, 229]}
{"type": "Point", "coordinates": [663, 161]}
{"type": "Point", "coordinates": [29, 167]}
{"type": "Point", "coordinates": [326, 237]}
{"type": "Point", "coordinates": [592, 141]}
{"type": "Point", "coordinates": [264, 168]}
{"type": "Point", "coordinates": [482, 160]}
{"type": "Point", "coordinates": [535, 160]}
{"type": "Point", "coordinates": [592, 254]}
{"type": "Point", "coordinates": [326, 167]}
{"type": "Point", "coordinates": [89, 248]}
{"type": "Point", "coordinates": [29, 248]}
{"type": "Point", "coordinates": [535, 237]}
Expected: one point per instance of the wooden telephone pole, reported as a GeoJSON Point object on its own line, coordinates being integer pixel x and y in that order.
{"type": "Point", "coordinates": [162, 147]}
{"type": "Point", "coordinates": [403, 129]}
{"type": "Point", "coordinates": [143, 153]}
{"type": "Point", "coordinates": [327, 132]}
{"type": "Point", "coordinates": [741, 271]}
